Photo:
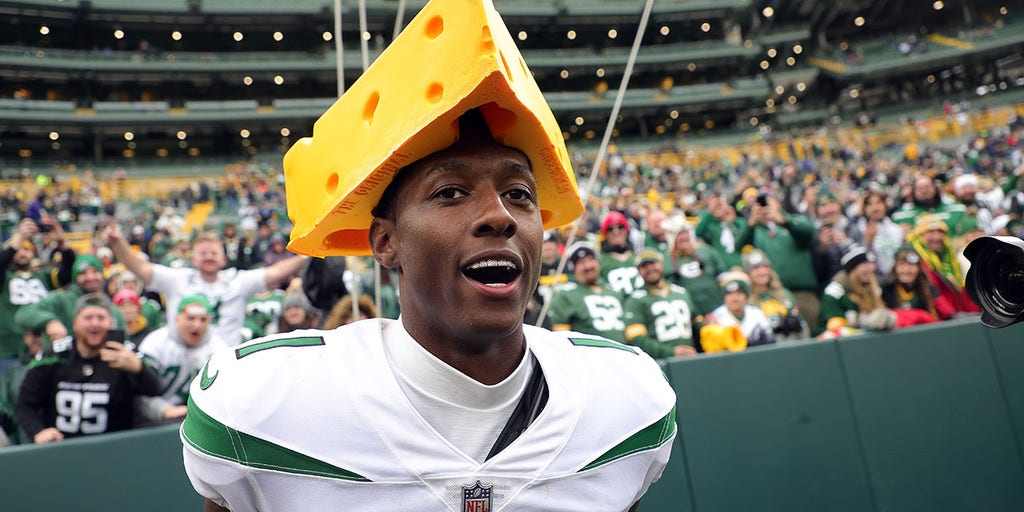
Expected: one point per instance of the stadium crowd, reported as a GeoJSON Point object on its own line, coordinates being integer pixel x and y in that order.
{"type": "Point", "coordinates": [677, 260]}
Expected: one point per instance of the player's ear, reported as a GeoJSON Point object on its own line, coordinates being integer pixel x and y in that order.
{"type": "Point", "coordinates": [382, 240]}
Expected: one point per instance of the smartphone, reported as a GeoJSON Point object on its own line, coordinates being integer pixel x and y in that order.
{"type": "Point", "coordinates": [44, 227]}
{"type": "Point", "coordinates": [115, 335]}
{"type": "Point", "coordinates": [762, 199]}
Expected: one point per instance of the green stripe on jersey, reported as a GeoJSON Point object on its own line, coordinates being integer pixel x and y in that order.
{"type": "Point", "coordinates": [305, 341]}
{"type": "Point", "coordinates": [216, 439]}
{"type": "Point", "coordinates": [652, 436]}
{"type": "Point", "coordinates": [595, 342]}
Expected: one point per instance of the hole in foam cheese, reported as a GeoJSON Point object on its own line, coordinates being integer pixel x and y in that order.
{"type": "Point", "coordinates": [452, 57]}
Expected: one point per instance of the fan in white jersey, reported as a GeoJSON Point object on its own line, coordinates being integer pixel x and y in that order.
{"type": "Point", "coordinates": [177, 351]}
{"type": "Point", "coordinates": [456, 406]}
{"type": "Point", "coordinates": [227, 288]}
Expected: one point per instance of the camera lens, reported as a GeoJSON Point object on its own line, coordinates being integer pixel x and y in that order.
{"type": "Point", "coordinates": [1011, 268]}
{"type": "Point", "coordinates": [997, 285]}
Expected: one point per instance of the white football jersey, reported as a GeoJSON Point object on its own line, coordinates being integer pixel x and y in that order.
{"type": "Point", "coordinates": [316, 420]}
{"type": "Point", "coordinates": [227, 294]}
{"type": "Point", "coordinates": [176, 363]}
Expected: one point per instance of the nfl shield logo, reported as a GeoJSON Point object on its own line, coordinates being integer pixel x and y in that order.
{"type": "Point", "coordinates": [476, 498]}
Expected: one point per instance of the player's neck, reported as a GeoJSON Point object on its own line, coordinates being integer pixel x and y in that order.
{"type": "Point", "coordinates": [485, 359]}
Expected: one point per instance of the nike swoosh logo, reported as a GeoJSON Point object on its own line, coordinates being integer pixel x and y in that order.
{"type": "Point", "coordinates": [205, 381]}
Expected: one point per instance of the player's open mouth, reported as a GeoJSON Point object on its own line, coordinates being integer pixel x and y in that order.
{"type": "Point", "coordinates": [495, 272]}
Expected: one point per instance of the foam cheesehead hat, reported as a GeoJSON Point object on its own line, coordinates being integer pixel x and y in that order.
{"type": "Point", "coordinates": [454, 56]}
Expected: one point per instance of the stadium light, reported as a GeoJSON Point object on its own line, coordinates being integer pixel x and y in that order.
{"type": "Point", "coordinates": [238, 36]}
{"type": "Point", "coordinates": [798, 49]}
{"type": "Point", "coordinates": [327, 36]}
{"type": "Point", "coordinates": [1003, 11]}
{"type": "Point", "coordinates": [600, 72]}
{"type": "Point", "coordinates": [285, 132]}
{"type": "Point", "coordinates": [54, 135]}
{"type": "Point", "coordinates": [129, 136]}
{"type": "Point", "coordinates": [118, 34]}
{"type": "Point", "coordinates": [564, 73]}
{"type": "Point", "coordinates": [181, 135]}
{"type": "Point", "coordinates": [765, 64]}
{"type": "Point", "coordinates": [801, 86]}
{"type": "Point", "coordinates": [570, 35]}
{"type": "Point", "coordinates": [44, 30]}
{"type": "Point", "coordinates": [278, 36]}
{"type": "Point", "coordinates": [612, 34]}
{"type": "Point", "coordinates": [705, 27]}
{"type": "Point", "coordinates": [175, 35]}
{"type": "Point", "coordinates": [664, 30]}
{"type": "Point", "coordinates": [790, 61]}
{"type": "Point", "coordinates": [247, 80]}
{"type": "Point", "coordinates": [244, 133]}
{"type": "Point", "coordinates": [278, 79]}
{"type": "Point", "coordinates": [779, 89]}
{"type": "Point", "coordinates": [522, 35]}
{"type": "Point", "coordinates": [768, 12]}
{"type": "Point", "coordinates": [859, 21]}
{"type": "Point", "coordinates": [772, 52]}
{"type": "Point", "coordinates": [938, 5]}
{"type": "Point", "coordinates": [854, 93]}
{"type": "Point", "coordinates": [579, 121]}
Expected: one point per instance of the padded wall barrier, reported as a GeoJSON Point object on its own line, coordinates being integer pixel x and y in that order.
{"type": "Point", "coordinates": [927, 418]}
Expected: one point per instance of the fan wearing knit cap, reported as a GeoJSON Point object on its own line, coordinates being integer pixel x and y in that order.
{"type": "Point", "coordinates": [587, 304]}
{"type": "Point", "coordinates": [775, 300]}
{"type": "Point", "coordinates": [930, 239]}
{"type": "Point", "coordinates": [84, 384]}
{"type": "Point", "coordinates": [927, 198]}
{"type": "Point", "coordinates": [178, 351]}
{"type": "Point", "coordinates": [693, 264]}
{"type": "Point", "coordinates": [54, 313]}
{"type": "Point", "coordinates": [22, 283]}
{"type": "Point", "coordinates": [854, 298]}
{"type": "Point", "coordinates": [661, 318]}
{"type": "Point", "coordinates": [735, 311]}
{"type": "Point", "coordinates": [616, 254]}
{"type": "Point", "coordinates": [910, 291]}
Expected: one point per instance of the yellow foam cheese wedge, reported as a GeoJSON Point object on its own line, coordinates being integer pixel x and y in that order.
{"type": "Point", "coordinates": [455, 55]}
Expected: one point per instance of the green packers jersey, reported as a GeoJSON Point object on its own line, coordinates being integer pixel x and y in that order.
{"type": "Point", "coordinates": [20, 289]}
{"type": "Point", "coordinates": [658, 321]}
{"type": "Point", "coordinates": [618, 270]}
{"type": "Point", "coordinates": [834, 304]}
{"type": "Point", "coordinates": [575, 307]}
{"type": "Point", "coordinates": [263, 310]}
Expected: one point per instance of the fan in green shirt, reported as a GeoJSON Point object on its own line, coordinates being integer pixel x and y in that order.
{"type": "Point", "coordinates": [586, 305]}
{"type": "Point", "coordinates": [660, 317]}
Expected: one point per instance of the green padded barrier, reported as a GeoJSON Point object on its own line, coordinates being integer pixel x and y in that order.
{"type": "Point", "coordinates": [672, 492]}
{"type": "Point", "coordinates": [770, 429]}
{"type": "Point", "coordinates": [137, 470]}
{"type": "Point", "coordinates": [1008, 352]}
{"type": "Point", "coordinates": [933, 422]}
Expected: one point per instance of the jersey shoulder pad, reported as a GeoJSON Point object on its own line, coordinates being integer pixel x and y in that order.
{"type": "Point", "coordinates": [835, 290]}
{"type": "Point", "coordinates": [62, 345]}
{"type": "Point", "coordinates": [566, 287]}
{"type": "Point", "coordinates": [678, 289]}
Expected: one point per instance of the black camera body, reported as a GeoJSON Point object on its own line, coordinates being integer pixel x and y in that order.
{"type": "Point", "coordinates": [995, 281]}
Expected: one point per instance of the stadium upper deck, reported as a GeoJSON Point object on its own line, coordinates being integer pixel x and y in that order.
{"type": "Point", "coordinates": [110, 80]}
